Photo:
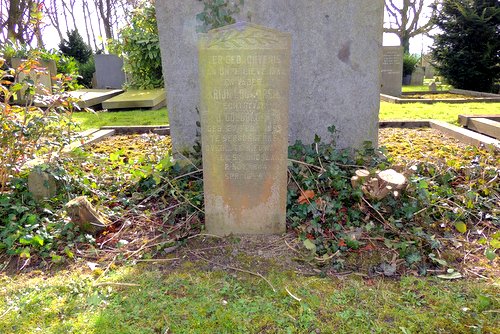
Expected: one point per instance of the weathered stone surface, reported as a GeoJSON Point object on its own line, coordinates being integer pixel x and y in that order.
{"type": "Point", "coordinates": [82, 213]}
{"type": "Point", "coordinates": [43, 77]}
{"type": "Point", "coordinates": [392, 70]}
{"type": "Point", "coordinates": [244, 72]}
{"type": "Point", "coordinates": [148, 98]}
{"type": "Point", "coordinates": [41, 184]}
{"type": "Point", "coordinates": [335, 71]}
{"type": "Point", "coordinates": [108, 71]}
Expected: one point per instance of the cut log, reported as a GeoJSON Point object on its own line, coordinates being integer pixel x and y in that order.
{"type": "Point", "coordinates": [86, 216]}
{"type": "Point", "coordinates": [392, 178]}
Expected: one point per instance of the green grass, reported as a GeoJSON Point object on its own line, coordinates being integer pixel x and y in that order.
{"type": "Point", "coordinates": [424, 88]}
{"type": "Point", "coordinates": [440, 111]}
{"type": "Point", "coordinates": [189, 300]}
{"type": "Point", "coordinates": [89, 120]}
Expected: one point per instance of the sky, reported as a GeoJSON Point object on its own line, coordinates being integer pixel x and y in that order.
{"type": "Point", "coordinates": [418, 44]}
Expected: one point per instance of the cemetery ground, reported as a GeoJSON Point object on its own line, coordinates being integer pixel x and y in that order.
{"type": "Point", "coordinates": [422, 262]}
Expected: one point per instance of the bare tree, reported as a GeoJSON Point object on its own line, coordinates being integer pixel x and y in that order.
{"type": "Point", "coordinates": [52, 12]}
{"type": "Point", "coordinates": [21, 21]}
{"type": "Point", "coordinates": [405, 18]}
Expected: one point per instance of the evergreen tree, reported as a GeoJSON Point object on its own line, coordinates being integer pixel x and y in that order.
{"type": "Point", "coordinates": [467, 52]}
{"type": "Point", "coordinates": [75, 47]}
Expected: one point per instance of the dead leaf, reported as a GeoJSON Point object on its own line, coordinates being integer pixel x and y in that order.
{"type": "Point", "coordinates": [306, 196]}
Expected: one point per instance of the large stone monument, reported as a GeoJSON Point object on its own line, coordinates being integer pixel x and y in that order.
{"type": "Point", "coordinates": [392, 70]}
{"type": "Point", "coordinates": [335, 66]}
{"type": "Point", "coordinates": [244, 79]}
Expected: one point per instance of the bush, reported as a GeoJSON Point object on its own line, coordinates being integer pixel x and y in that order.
{"type": "Point", "coordinates": [410, 62]}
{"type": "Point", "coordinates": [75, 47]}
{"type": "Point", "coordinates": [86, 72]}
{"type": "Point", "coordinates": [467, 51]}
{"type": "Point", "coordinates": [29, 131]}
{"type": "Point", "coordinates": [139, 46]}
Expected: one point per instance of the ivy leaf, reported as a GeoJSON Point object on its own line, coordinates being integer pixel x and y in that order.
{"type": "Point", "coordinates": [438, 261]}
{"type": "Point", "coordinates": [490, 254]}
{"type": "Point", "coordinates": [310, 245]}
{"type": "Point", "coordinates": [461, 227]}
{"type": "Point", "coordinates": [495, 243]}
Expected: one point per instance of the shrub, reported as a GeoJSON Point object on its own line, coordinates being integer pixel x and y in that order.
{"type": "Point", "coordinates": [75, 47]}
{"type": "Point", "coordinates": [410, 61]}
{"type": "Point", "coordinates": [139, 46]}
{"type": "Point", "coordinates": [28, 131]}
{"type": "Point", "coordinates": [467, 51]}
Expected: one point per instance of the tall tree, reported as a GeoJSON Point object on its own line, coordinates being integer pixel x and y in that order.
{"type": "Point", "coordinates": [467, 52]}
{"type": "Point", "coordinates": [405, 19]}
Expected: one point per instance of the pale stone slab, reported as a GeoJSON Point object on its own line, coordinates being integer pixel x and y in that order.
{"type": "Point", "coordinates": [150, 98]}
{"type": "Point", "coordinates": [245, 73]}
{"type": "Point", "coordinates": [392, 70]}
{"type": "Point", "coordinates": [485, 126]}
{"type": "Point", "coordinates": [335, 72]}
{"type": "Point", "coordinates": [92, 97]}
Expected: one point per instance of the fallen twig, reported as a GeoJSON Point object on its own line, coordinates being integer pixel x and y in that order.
{"type": "Point", "coordinates": [292, 295]}
{"type": "Point", "coordinates": [116, 283]}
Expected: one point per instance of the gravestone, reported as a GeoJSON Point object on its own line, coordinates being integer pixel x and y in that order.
{"type": "Point", "coordinates": [392, 70]}
{"type": "Point", "coordinates": [335, 66]}
{"type": "Point", "coordinates": [44, 76]}
{"type": "Point", "coordinates": [417, 77]}
{"type": "Point", "coordinates": [108, 71]}
{"type": "Point", "coordinates": [244, 79]}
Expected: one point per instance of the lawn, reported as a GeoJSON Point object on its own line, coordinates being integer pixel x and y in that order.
{"type": "Point", "coordinates": [89, 120]}
{"type": "Point", "coordinates": [156, 298]}
{"type": "Point", "coordinates": [447, 112]}
{"type": "Point", "coordinates": [441, 111]}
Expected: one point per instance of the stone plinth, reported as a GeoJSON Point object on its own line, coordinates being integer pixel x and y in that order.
{"type": "Point", "coordinates": [244, 78]}
{"type": "Point", "coordinates": [392, 70]}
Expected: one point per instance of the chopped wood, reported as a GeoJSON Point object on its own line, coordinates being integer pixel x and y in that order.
{"type": "Point", "coordinates": [86, 216]}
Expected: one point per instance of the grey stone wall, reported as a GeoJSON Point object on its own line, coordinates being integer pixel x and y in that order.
{"type": "Point", "coordinates": [336, 56]}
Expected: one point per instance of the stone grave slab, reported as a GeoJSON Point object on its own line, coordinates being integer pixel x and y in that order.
{"type": "Point", "coordinates": [244, 79]}
{"type": "Point", "coordinates": [109, 72]}
{"type": "Point", "coordinates": [392, 70]}
{"type": "Point", "coordinates": [44, 81]}
{"type": "Point", "coordinates": [149, 98]}
{"type": "Point", "coordinates": [92, 97]}
{"type": "Point", "coordinates": [335, 68]}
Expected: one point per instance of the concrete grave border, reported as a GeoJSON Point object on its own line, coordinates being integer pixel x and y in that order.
{"type": "Point", "coordinates": [478, 97]}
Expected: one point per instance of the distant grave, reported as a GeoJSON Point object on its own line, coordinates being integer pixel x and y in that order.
{"type": "Point", "coordinates": [335, 66]}
{"type": "Point", "coordinates": [392, 70]}
{"type": "Point", "coordinates": [417, 77]}
{"type": "Point", "coordinates": [148, 99]}
{"type": "Point", "coordinates": [91, 97]}
{"type": "Point", "coordinates": [244, 72]}
{"type": "Point", "coordinates": [108, 72]}
{"type": "Point", "coordinates": [44, 76]}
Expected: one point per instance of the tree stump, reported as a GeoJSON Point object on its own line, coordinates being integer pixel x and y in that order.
{"type": "Point", "coordinates": [86, 216]}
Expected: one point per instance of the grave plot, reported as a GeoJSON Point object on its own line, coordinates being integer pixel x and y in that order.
{"type": "Point", "coordinates": [451, 96]}
{"type": "Point", "coordinates": [151, 200]}
{"type": "Point", "coordinates": [134, 99]}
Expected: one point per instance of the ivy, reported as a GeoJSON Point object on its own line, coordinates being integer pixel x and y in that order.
{"type": "Point", "coordinates": [217, 13]}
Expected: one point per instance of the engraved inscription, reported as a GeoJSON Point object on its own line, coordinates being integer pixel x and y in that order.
{"type": "Point", "coordinates": [244, 71]}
